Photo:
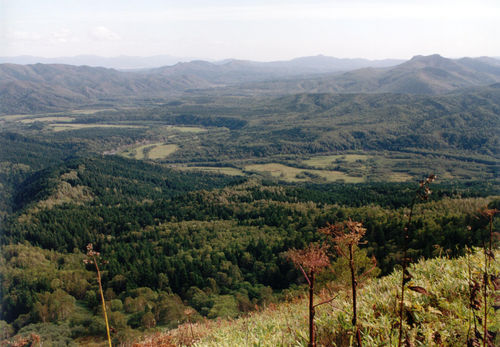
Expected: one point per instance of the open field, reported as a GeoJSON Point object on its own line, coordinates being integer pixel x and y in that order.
{"type": "Point", "coordinates": [55, 114]}
{"type": "Point", "coordinates": [161, 151]}
{"type": "Point", "coordinates": [48, 119]}
{"type": "Point", "coordinates": [92, 111]}
{"type": "Point", "coordinates": [328, 160]}
{"type": "Point", "coordinates": [183, 129]}
{"type": "Point", "coordinates": [152, 151]}
{"type": "Point", "coordinates": [63, 127]}
{"type": "Point", "coordinates": [291, 174]}
{"type": "Point", "coordinates": [230, 171]}
{"type": "Point", "coordinates": [14, 117]}
{"type": "Point", "coordinates": [138, 152]}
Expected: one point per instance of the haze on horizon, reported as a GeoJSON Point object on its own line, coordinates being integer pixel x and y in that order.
{"type": "Point", "coordinates": [261, 30]}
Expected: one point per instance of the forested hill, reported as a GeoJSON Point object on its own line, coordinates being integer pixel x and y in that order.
{"type": "Point", "coordinates": [193, 197]}
{"type": "Point", "coordinates": [424, 75]}
{"type": "Point", "coordinates": [177, 241]}
{"type": "Point", "coordinates": [114, 180]}
{"type": "Point", "coordinates": [49, 87]}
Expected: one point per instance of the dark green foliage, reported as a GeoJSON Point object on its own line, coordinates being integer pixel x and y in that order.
{"type": "Point", "coordinates": [220, 250]}
{"type": "Point", "coordinates": [53, 334]}
{"type": "Point", "coordinates": [177, 240]}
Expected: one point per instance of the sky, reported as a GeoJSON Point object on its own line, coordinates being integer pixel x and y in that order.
{"type": "Point", "coordinates": [261, 30]}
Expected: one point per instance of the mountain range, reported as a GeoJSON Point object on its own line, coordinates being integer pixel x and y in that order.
{"type": "Point", "coordinates": [121, 62]}
{"type": "Point", "coordinates": [318, 64]}
{"type": "Point", "coordinates": [50, 87]}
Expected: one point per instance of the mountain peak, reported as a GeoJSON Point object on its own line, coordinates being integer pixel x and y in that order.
{"type": "Point", "coordinates": [434, 60]}
{"type": "Point", "coordinates": [426, 57]}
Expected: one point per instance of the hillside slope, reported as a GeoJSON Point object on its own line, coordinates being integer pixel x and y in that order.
{"type": "Point", "coordinates": [43, 87]}
{"type": "Point", "coordinates": [432, 74]}
{"type": "Point", "coordinates": [442, 315]}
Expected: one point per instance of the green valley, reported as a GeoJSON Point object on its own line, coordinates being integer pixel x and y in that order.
{"type": "Point", "coordinates": [193, 187]}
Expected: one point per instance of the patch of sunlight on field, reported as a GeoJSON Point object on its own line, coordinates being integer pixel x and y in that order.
{"type": "Point", "coordinates": [292, 174]}
{"type": "Point", "coordinates": [161, 151]}
{"type": "Point", "coordinates": [325, 161]}
{"type": "Point", "coordinates": [183, 129]}
{"type": "Point", "coordinates": [48, 119]}
{"type": "Point", "coordinates": [91, 111]}
{"type": "Point", "coordinates": [230, 171]}
{"type": "Point", "coordinates": [63, 127]}
{"type": "Point", "coordinates": [14, 117]}
{"type": "Point", "coordinates": [400, 177]}
{"type": "Point", "coordinates": [137, 152]}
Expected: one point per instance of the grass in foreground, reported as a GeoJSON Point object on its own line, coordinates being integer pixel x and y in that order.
{"type": "Point", "coordinates": [440, 317]}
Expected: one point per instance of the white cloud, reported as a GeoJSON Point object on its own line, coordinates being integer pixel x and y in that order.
{"type": "Point", "coordinates": [102, 33]}
{"type": "Point", "coordinates": [347, 10]}
{"type": "Point", "coordinates": [14, 35]}
{"type": "Point", "coordinates": [61, 36]}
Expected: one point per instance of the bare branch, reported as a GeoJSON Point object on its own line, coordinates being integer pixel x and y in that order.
{"type": "Point", "coordinates": [305, 275]}
{"type": "Point", "coordinates": [326, 301]}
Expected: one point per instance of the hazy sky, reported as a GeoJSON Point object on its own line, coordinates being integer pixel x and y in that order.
{"type": "Point", "coordinates": [258, 30]}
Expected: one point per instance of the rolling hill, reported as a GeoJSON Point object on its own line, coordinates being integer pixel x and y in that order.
{"type": "Point", "coordinates": [420, 75]}
{"type": "Point", "coordinates": [42, 87]}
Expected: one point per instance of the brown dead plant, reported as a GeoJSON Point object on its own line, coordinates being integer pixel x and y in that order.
{"type": "Point", "coordinates": [93, 257]}
{"type": "Point", "coordinates": [489, 280]}
{"type": "Point", "coordinates": [347, 237]}
{"type": "Point", "coordinates": [311, 261]}
{"type": "Point", "coordinates": [421, 194]}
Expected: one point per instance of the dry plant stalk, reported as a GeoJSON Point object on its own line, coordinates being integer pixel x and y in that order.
{"type": "Point", "coordinates": [310, 261]}
{"type": "Point", "coordinates": [21, 341]}
{"type": "Point", "coordinates": [422, 193]}
{"type": "Point", "coordinates": [189, 312]}
{"type": "Point", "coordinates": [347, 236]}
{"type": "Point", "coordinates": [488, 256]}
{"type": "Point", "coordinates": [92, 258]}
{"type": "Point", "coordinates": [474, 305]}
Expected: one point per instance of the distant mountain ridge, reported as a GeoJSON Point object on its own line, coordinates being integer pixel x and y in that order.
{"type": "Point", "coordinates": [122, 62]}
{"type": "Point", "coordinates": [312, 64]}
{"type": "Point", "coordinates": [432, 74]}
{"type": "Point", "coordinates": [49, 87]}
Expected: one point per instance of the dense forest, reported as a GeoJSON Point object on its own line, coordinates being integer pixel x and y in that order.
{"type": "Point", "coordinates": [193, 201]}
{"type": "Point", "coordinates": [211, 242]}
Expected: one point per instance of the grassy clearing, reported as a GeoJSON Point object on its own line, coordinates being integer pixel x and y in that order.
{"type": "Point", "coordinates": [63, 127]}
{"type": "Point", "coordinates": [444, 311]}
{"type": "Point", "coordinates": [292, 174]}
{"type": "Point", "coordinates": [161, 151]}
{"type": "Point", "coordinates": [76, 112]}
{"type": "Point", "coordinates": [92, 111]}
{"type": "Point", "coordinates": [185, 129]}
{"type": "Point", "coordinates": [399, 177]}
{"type": "Point", "coordinates": [152, 151]}
{"type": "Point", "coordinates": [402, 166]}
{"type": "Point", "coordinates": [138, 152]}
{"type": "Point", "coordinates": [14, 117]}
{"type": "Point", "coordinates": [230, 171]}
{"type": "Point", "coordinates": [48, 119]}
{"type": "Point", "coordinates": [329, 160]}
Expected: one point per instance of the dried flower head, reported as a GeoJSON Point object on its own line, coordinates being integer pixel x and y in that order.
{"type": "Point", "coordinates": [489, 212]}
{"type": "Point", "coordinates": [431, 178]}
{"type": "Point", "coordinates": [312, 258]}
{"type": "Point", "coordinates": [91, 252]}
{"type": "Point", "coordinates": [347, 233]}
{"type": "Point", "coordinates": [424, 190]}
{"type": "Point", "coordinates": [92, 256]}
